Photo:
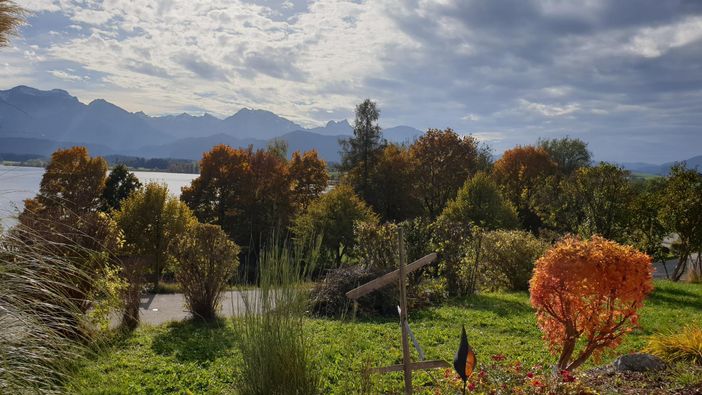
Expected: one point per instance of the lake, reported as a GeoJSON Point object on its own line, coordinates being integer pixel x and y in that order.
{"type": "Point", "coordinates": [19, 183]}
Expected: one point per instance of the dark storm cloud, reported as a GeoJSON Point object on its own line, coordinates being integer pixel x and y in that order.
{"type": "Point", "coordinates": [547, 68]}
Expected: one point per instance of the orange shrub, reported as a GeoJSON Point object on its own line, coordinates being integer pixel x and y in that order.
{"type": "Point", "coordinates": [589, 290]}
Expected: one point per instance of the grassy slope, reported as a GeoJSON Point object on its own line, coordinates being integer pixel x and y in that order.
{"type": "Point", "coordinates": [185, 357]}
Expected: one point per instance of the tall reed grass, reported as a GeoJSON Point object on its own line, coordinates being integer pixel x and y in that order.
{"type": "Point", "coordinates": [36, 313]}
{"type": "Point", "coordinates": [277, 356]}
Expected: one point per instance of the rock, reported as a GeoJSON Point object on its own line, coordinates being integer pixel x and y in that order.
{"type": "Point", "coordinates": [638, 363]}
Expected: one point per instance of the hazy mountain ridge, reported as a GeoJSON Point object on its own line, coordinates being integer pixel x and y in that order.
{"type": "Point", "coordinates": [663, 169]}
{"type": "Point", "coordinates": [55, 118]}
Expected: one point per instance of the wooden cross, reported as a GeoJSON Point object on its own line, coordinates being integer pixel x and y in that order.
{"type": "Point", "coordinates": [399, 275]}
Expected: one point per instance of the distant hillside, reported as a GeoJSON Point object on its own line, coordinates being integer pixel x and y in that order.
{"type": "Point", "coordinates": [694, 163]}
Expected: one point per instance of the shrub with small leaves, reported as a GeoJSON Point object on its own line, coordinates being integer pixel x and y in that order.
{"type": "Point", "coordinates": [206, 260]}
{"type": "Point", "coordinates": [589, 289]}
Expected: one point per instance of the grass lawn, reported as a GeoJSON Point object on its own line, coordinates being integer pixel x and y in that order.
{"type": "Point", "coordinates": [187, 357]}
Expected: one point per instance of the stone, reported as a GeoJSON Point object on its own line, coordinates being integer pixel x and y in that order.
{"type": "Point", "coordinates": [638, 363]}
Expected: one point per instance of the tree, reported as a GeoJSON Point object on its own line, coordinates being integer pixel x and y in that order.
{"type": "Point", "coordinates": [480, 203]}
{"type": "Point", "coordinates": [360, 152]}
{"type": "Point", "coordinates": [393, 185]}
{"type": "Point", "coordinates": [151, 220]}
{"type": "Point", "coordinates": [332, 217]}
{"type": "Point", "coordinates": [247, 193]}
{"type": "Point", "coordinates": [588, 289]}
{"type": "Point", "coordinates": [309, 177]}
{"type": "Point", "coordinates": [602, 195]}
{"type": "Point", "coordinates": [681, 212]}
{"type": "Point", "coordinates": [66, 209]}
{"type": "Point", "coordinates": [279, 148]}
{"type": "Point", "coordinates": [218, 194]}
{"type": "Point", "coordinates": [443, 162]}
{"type": "Point", "coordinates": [646, 230]}
{"type": "Point", "coordinates": [119, 185]}
{"type": "Point", "coordinates": [518, 173]}
{"type": "Point", "coordinates": [11, 16]}
{"type": "Point", "coordinates": [568, 153]}
{"type": "Point", "coordinates": [65, 216]}
{"type": "Point", "coordinates": [73, 180]}
{"type": "Point", "coordinates": [205, 260]}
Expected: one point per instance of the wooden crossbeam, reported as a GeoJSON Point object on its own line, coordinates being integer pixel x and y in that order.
{"type": "Point", "coordinates": [389, 278]}
{"type": "Point", "coordinates": [424, 365]}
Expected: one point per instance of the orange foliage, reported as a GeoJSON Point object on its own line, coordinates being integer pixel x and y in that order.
{"type": "Point", "coordinates": [589, 289]}
{"type": "Point", "coordinates": [309, 177]}
{"type": "Point", "coordinates": [517, 173]}
{"type": "Point", "coordinates": [443, 162]}
{"type": "Point", "coordinates": [249, 193]}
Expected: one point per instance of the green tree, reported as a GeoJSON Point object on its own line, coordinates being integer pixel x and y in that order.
{"type": "Point", "coordinates": [646, 229]}
{"type": "Point", "coordinates": [150, 220]}
{"type": "Point", "coordinates": [205, 260]}
{"type": "Point", "coordinates": [11, 16]}
{"type": "Point", "coordinates": [359, 153]}
{"type": "Point", "coordinates": [602, 196]}
{"type": "Point", "coordinates": [279, 148]}
{"type": "Point", "coordinates": [443, 161]}
{"type": "Point", "coordinates": [681, 211]}
{"type": "Point", "coordinates": [332, 217]}
{"type": "Point", "coordinates": [119, 185]}
{"type": "Point", "coordinates": [569, 154]}
{"type": "Point", "coordinates": [480, 203]}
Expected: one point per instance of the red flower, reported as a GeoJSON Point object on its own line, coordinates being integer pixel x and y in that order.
{"type": "Point", "coordinates": [567, 377]}
{"type": "Point", "coordinates": [498, 357]}
{"type": "Point", "coordinates": [482, 374]}
{"type": "Point", "coordinates": [517, 366]}
{"type": "Point", "coordinates": [537, 383]}
{"type": "Point", "coordinates": [471, 386]}
{"type": "Point", "coordinates": [530, 375]}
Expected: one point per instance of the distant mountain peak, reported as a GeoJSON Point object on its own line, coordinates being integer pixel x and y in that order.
{"type": "Point", "coordinates": [343, 122]}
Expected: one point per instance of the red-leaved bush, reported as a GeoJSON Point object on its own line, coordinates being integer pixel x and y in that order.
{"type": "Point", "coordinates": [589, 290]}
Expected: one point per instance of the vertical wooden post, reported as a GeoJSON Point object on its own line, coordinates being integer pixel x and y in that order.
{"type": "Point", "coordinates": [407, 369]}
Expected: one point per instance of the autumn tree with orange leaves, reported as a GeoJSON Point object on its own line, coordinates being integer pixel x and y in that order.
{"type": "Point", "coordinates": [250, 194]}
{"type": "Point", "coordinates": [443, 162]}
{"type": "Point", "coordinates": [309, 176]}
{"type": "Point", "coordinates": [518, 173]}
{"type": "Point", "coordinates": [586, 294]}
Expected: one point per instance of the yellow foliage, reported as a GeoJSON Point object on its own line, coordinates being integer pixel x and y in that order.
{"type": "Point", "coordinates": [683, 346]}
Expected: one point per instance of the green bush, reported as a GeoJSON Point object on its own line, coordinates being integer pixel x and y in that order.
{"type": "Point", "coordinates": [480, 203]}
{"type": "Point", "coordinates": [375, 245]}
{"type": "Point", "coordinates": [333, 215]}
{"type": "Point", "coordinates": [507, 259]}
{"type": "Point", "coordinates": [205, 261]}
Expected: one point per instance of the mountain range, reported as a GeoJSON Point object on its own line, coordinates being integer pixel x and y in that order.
{"type": "Point", "coordinates": [34, 121]}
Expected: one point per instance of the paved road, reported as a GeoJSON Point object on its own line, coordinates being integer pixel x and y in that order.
{"type": "Point", "coordinates": [157, 309]}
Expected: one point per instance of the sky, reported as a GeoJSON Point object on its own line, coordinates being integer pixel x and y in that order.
{"type": "Point", "coordinates": [623, 75]}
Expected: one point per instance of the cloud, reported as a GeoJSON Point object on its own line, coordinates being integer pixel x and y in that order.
{"type": "Point", "coordinates": [67, 76]}
{"type": "Point", "coordinates": [626, 70]}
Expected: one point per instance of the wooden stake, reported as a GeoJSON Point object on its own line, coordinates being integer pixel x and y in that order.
{"type": "Point", "coordinates": [406, 362]}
